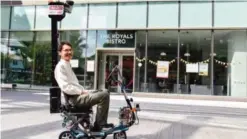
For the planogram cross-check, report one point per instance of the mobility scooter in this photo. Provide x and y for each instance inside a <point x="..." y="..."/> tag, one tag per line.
<point x="79" y="121"/>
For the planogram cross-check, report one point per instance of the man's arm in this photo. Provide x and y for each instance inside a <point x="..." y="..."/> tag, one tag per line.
<point x="62" y="80"/>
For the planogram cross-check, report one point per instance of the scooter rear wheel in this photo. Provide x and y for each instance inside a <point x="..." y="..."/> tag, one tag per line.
<point x="66" y="135"/>
<point x="120" y="135"/>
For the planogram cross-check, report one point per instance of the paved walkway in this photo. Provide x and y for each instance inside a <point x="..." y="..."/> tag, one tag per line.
<point x="32" y="120"/>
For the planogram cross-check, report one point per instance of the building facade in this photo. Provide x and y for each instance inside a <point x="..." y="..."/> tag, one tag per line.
<point x="180" y="47"/>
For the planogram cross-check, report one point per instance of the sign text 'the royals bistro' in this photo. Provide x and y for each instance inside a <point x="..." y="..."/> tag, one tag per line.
<point x="119" y="39"/>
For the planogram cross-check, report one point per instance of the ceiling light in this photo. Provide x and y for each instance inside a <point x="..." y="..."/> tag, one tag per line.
<point x="187" y="54"/>
<point x="163" y="54"/>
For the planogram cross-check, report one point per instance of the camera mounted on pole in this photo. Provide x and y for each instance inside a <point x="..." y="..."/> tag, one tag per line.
<point x="57" y="9"/>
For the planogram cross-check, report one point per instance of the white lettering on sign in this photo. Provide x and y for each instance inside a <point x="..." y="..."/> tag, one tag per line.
<point x="56" y="9"/>
<point x="117" y="38"/>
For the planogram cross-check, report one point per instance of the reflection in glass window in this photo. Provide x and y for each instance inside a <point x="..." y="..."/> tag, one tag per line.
<point x="91" y="44"/>
<point x="137" y="18"/>
<point x="90" y="53"/>
<point x="77" y="19"/>
<point x="4" y="55"/>
<point x="42" y="19"/>
<point x="42" y="56"/>
<point x="20" y="58"/>
<point x="196" y="14"/>
<point x="22" y="17"/>
<point x="230" y="14"/>
<point x="230" y="63"/>
<point x="195" y="62"/>
<point x="102" y="16"/>
<point x="168" y="18"/>
<point x="5" y="15"/>
<point x="78" y="42"/>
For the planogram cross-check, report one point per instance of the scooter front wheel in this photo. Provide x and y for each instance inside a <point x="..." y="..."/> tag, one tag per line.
<point x="66" y="135"/>
<point x="120" y="135"/>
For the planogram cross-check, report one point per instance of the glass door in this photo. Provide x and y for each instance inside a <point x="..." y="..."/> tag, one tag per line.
<point x="119" y="68"/>
<point x="127" y="72"/>
<point x="112" y="72"/>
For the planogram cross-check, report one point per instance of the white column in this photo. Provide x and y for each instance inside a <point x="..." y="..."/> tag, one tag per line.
<point x="237" y="56"/>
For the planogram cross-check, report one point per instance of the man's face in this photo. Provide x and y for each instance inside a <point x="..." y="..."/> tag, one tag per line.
<point x="66" y="53"/>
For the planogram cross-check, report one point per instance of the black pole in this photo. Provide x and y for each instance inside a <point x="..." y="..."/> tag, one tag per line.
<point x="55" y="92"/>
<point x="54" y="45"/>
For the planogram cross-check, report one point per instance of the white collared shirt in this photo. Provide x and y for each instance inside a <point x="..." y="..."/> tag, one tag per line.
<point x="66" y="78"/>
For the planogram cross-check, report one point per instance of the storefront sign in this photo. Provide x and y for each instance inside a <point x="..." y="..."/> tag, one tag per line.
<point x="118" y="39"/>
<point x="192" y="68"/>
<point x="90" y="66"/>
<point x="162" y="69"/>
<point x="203" y="69"/>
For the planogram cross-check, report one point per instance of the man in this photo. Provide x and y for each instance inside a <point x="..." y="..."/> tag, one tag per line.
<point x="78" y="96"/>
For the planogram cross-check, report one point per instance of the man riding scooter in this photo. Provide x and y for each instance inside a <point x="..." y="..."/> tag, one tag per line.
<point x="76" y="93"/>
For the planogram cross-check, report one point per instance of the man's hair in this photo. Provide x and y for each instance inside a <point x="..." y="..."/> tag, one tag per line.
<point x="60" y="47"/>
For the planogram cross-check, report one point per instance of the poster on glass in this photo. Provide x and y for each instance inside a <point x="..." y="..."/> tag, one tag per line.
<point x="162" y="69"/>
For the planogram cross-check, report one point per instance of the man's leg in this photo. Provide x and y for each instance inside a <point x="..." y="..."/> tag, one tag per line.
<point x="102" y="100"/>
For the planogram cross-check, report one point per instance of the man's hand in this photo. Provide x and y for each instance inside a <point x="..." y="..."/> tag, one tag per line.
<point x="84" y="92"/>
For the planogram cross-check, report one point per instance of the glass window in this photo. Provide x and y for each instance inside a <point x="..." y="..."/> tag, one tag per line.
<point x="115" y="39"/>
<point x="162" y="65"/>
<point x="139" y="85"/>
<point x="137" y="18"/>
<point x="42" y="19"/>
<point x="78" y="41"/>
<point x="195" y="62"/>
<point x="5" y="15"/>
<point x="102" y="16"/>
<point x="196" y="14"/>
<point x="168" y="18"/>
<point x="90" y="63"/>
<point x="22" y="17"/>
<point x="4" y="55"/>
<point x="43" y="56"/>
<point x="21" y="58"/>
<point x="230" y="14"/>
<point x="77" y="19"/>
<point x="230" y="47"/>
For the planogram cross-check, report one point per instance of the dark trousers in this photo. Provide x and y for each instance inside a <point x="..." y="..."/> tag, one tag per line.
<point x="101" y="99"/>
